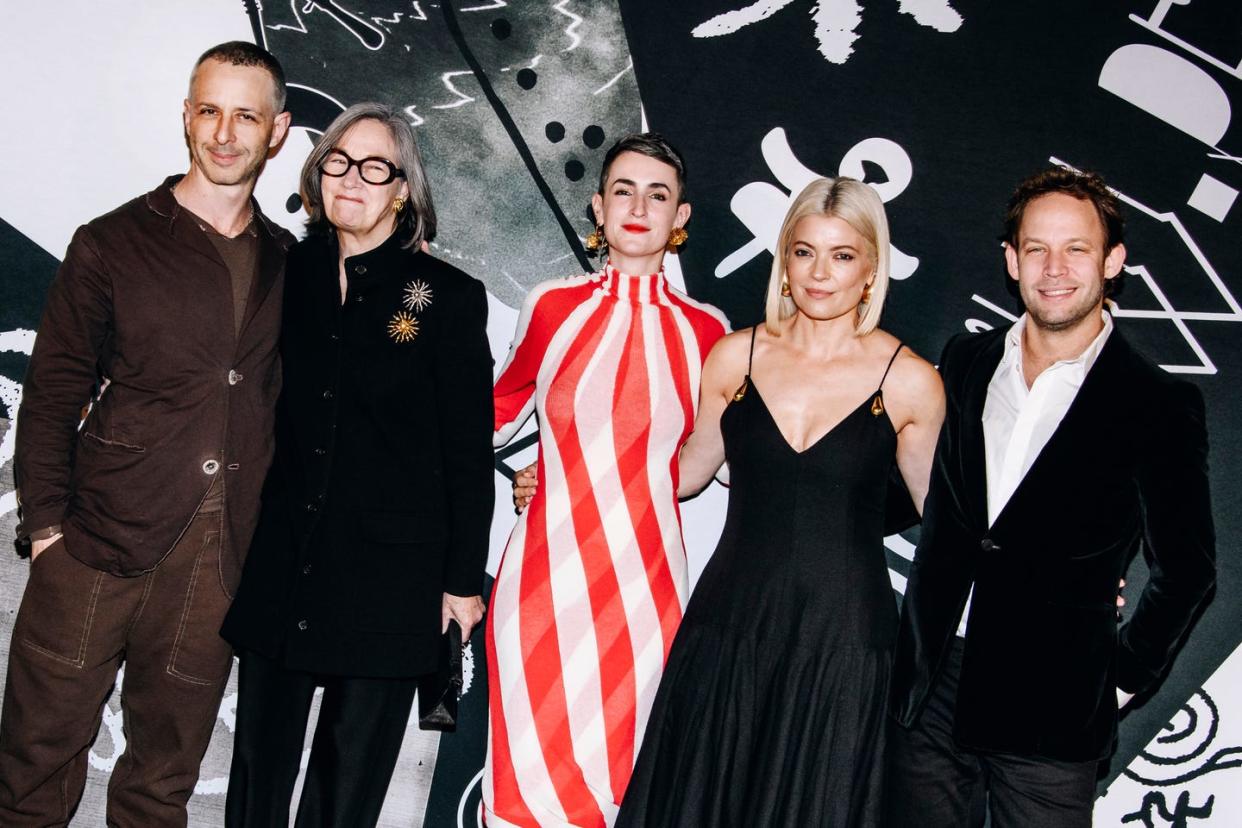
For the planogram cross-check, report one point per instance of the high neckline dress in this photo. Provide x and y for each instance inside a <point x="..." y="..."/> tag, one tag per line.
<point x="592" y="584"/>
<point x="772" y="708"/>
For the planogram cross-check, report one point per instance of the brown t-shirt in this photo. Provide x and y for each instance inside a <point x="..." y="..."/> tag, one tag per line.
<point x="240" y="254"/>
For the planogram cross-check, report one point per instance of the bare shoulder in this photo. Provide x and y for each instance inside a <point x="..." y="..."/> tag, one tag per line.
<point x="913" y="387"/>
<point x="732" y="347"/>
<point x="915" y="375"/>
<point x="726" y="364"/>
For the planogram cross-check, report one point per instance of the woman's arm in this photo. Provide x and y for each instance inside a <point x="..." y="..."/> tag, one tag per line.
<point x="724" y="371"/>
<point x="916" y="388"/>
<point x="514" y="389"/>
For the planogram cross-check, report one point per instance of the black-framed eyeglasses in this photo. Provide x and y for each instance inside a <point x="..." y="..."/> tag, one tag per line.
<point x="372" y="170"/>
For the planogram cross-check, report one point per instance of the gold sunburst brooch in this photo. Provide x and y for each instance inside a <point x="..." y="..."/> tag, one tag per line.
<point x="417" y="296"/>
<point x="402" y="327"/>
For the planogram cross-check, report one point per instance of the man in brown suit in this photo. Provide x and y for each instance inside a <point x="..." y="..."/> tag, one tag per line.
<point x="138" y="520"/>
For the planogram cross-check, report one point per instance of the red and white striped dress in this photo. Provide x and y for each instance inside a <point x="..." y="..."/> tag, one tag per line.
<point x="592" y="585"/>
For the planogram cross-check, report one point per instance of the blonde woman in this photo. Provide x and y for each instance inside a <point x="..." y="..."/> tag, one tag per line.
<point x="771" y="711"/>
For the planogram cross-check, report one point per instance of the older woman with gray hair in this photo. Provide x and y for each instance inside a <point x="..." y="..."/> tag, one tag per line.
<point x="374" y="528"/>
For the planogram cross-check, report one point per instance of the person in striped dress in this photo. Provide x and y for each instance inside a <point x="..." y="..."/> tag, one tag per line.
<point x="593" y="582"/>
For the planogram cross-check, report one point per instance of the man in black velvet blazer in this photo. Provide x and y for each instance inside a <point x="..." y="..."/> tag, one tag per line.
<point x="1062" y="450"/>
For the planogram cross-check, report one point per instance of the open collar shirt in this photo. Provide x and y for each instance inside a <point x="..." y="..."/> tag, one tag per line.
<point x="1019" y="421"/>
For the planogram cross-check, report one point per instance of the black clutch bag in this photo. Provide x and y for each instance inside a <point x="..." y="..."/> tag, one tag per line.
<point x="439" y="692"/>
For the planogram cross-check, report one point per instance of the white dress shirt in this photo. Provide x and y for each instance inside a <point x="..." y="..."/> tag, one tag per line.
<point x="1018" y="421"/>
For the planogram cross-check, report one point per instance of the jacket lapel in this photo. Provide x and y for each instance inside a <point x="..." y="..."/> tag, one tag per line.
<point x="974" y="466"/>
<point x="271" y="262"/>
<point x="1080" y="428"/>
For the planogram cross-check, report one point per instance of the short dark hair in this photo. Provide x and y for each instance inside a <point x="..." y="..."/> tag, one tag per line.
<point x="417" y="222"/>
<point x="653" y="145"/>
<point x="242" y="53"/>
<point x="1082" y="185"/>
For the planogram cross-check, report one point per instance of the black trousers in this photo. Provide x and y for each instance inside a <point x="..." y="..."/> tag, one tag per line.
<point x="933" y="783"/>
<point x="357" y="740"/>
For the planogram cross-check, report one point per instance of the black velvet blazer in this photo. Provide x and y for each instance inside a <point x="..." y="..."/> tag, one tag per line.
<point x="1127" y="465"/>
<point x="380" y="498"/>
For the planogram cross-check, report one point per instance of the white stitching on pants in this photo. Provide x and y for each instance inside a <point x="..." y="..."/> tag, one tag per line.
<point x="208" y="538"/>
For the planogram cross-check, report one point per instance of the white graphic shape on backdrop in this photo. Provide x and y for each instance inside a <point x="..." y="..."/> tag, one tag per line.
<point x="1155" y="24"/>
<point x="836" y="28"/>
<point x="1192" y="769"/>
<point x="1169" y="87"/>
<point x="20" y="341"/>
<point x="364" y="32"/>
<point x="836" y="21"/>
<point x="761" y="207"/>
<point x="571" y="31"/>
<point x="1212" y="197"/>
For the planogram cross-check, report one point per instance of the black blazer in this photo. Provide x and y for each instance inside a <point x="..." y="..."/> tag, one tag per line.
<point x="380" y="498"/>
<point x="1128" y="464"/>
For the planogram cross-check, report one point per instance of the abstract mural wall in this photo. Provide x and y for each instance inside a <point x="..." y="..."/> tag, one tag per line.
<point x="941" y="105"/>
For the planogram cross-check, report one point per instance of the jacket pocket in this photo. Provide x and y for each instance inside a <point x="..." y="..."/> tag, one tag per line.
<point x="199" y="655"/>
<point x="58" y="606"/>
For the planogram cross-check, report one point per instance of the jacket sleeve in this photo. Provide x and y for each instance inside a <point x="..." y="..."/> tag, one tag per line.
<point x="941" y="572"/>
<point x="1179" y="541"/>
<point x="515" y="384"/>
<point x="63" y="371"/>
<point x="463" y="374"/>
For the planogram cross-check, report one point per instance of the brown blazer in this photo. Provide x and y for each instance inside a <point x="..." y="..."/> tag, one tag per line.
<point x="143" y="299"/>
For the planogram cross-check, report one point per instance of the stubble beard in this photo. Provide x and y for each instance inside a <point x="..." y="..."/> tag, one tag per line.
<point x="1076" y="317"/>
<point x="228" y="176"/>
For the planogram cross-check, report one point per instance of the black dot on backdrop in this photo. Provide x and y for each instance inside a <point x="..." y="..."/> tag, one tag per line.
<point x="555" y="131"/>
<point x="501" y="28"/>
<point x="293" y="203"/>
<point x="574" y="170"/>
<point x="526" y="78"/>
<point x="593" y="136"/>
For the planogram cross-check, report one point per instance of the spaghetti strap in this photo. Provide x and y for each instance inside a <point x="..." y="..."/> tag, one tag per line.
<point x="877" y="404"/>
<point x="750" y="361"/>
<point x="891" y="360"/>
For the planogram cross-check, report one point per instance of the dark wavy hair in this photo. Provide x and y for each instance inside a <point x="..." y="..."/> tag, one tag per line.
<point x="1084" y="186"/>
<point x="417" y="222"/>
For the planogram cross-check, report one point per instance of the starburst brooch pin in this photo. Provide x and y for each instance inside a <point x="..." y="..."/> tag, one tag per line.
<point x="403" y="327"/>
<point x="417" y="296"/>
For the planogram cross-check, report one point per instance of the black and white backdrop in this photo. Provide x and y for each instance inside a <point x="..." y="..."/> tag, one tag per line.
<point x="941" y="105"/>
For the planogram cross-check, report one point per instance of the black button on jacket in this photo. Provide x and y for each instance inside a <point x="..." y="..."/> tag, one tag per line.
<point x="381" y="495"/>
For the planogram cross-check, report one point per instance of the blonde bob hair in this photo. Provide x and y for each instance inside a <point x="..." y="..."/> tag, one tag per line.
<point x="859" y="206"/>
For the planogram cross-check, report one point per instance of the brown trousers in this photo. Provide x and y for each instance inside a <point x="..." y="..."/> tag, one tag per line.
<point x="75" y="627"/>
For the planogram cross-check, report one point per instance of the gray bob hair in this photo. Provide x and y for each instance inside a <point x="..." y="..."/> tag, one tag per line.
<point x="417" y="222"/>
<point x="859" y="206"/>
